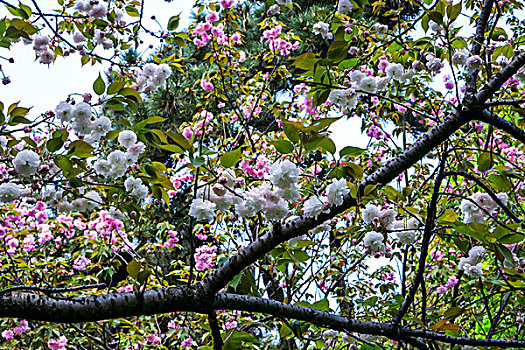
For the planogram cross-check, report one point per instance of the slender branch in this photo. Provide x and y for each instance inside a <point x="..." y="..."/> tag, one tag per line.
<point x="504" y="103"/>
<point x="427" y="235"/>
<point x="8" y="4"/>
<point x="215" y="331"/>
<point x="47" y="290"/>
<point x="486" y="189"/>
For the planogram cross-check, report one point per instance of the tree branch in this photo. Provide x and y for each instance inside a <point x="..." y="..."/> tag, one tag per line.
<point x="504" y="103"/>
<point x="427" y="235"/>
<point x="499" y="79"/>
<point x="481" y="24"/>
<point x="502" y="124"/>
<point x="298" y="226"/>
<point x="215" y="331"/>
<point x="190" y="298"/>
<point x="486" y="189"/>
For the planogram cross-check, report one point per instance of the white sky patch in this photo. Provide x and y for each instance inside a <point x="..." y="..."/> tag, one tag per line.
<point x="43" y="87"/>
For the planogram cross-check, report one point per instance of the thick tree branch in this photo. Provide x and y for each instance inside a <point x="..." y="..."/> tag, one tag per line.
<point x="502" y="124"/>
<point x="189" y="298"/>
<point x="298" y="226"/>
<point x="499" y="79"/>
<point x="481" y="25"/>
<point x="101" y="307"/>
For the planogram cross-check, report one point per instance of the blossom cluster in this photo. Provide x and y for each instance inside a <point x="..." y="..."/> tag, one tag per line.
<point x="82" y="121"/>
<point x="364" y="81"/>
<point x="471" y="264"/>
<point x="227" y="192"/>
<point x="477" y="207"/>
<point x="278" y="41"/>
<point x="335" y="193"/>
<point x="65" y="202"/>
<point x="384" y="217"/>
<point x="205" y="32"/>
<point x="23" y="327"/>
<point x="57" y="344"/>
<point x="204" y="257"/>
<point x="150" y="77"/>
<point x="41" y="47"/>
<point x="118" y="162"/>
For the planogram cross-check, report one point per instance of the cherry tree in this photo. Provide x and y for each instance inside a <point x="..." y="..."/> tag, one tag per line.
<point x="238" y="223"/>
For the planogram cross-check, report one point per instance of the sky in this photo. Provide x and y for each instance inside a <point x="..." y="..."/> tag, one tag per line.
<point x="43" y="86"/>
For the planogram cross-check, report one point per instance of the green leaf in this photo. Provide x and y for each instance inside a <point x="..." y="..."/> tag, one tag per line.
<point x="81" y="149"/>
<point x="124" y="122"/>
<point x="235" y="281"/>
<point x="132" y="11"/>
<point x="507" y="254"/>
<point x="66" y="165"/>
<point x="351" y="151"/>
<point x="180" y="140"/>
<point x="448" y="216"/>
<point x="173" y="23"/>
<point x="113" y="134"/>
<point x="453" y="11"/>
<point x="306" y="61"/>
<point x="54" y="144"/>
<point x="19" y="120"/>
<point x="354" y="170"/>
<point x="115" y="87"/>
<point x="237" y="339"/>
<point x="321" y="124"/>
<point x="291" y="131"/>
<point x="130" y="93"/>
<point x="19" y="112"/>
<point x="133" y="268"/>
<point x="172" y="148"/>
<point x="143" y="275"/>
<point x="327" y="144"/>
<point x="156" y="119"/>
<point x="391" y="193"/>
<point x="230" y="158"/>
<point x="115" y="105"/>
<point x="371" y="301"/>
<point x="485" y="161"/>
<point x="152" y="120"/>
<point x="75" y="182"/>
<point x="99" y="86"/>
<point x="497" y="32"/>
<point x="321" y="305"/>
<point x="473" y="230"/>
<point x="511" y="238"/>
<point x="283" y="146"/>
<point x="337" y="51"/>
<point x="436" y="17"/>
<point x="453" y="312"/>
<point x="26" y="9"/>
<point x="499" y="182"/>
<point x="29" y="141"/>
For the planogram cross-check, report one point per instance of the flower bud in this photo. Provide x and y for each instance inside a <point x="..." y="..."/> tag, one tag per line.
<point x="418" y="66"/>
<point x="219" y="189"/>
